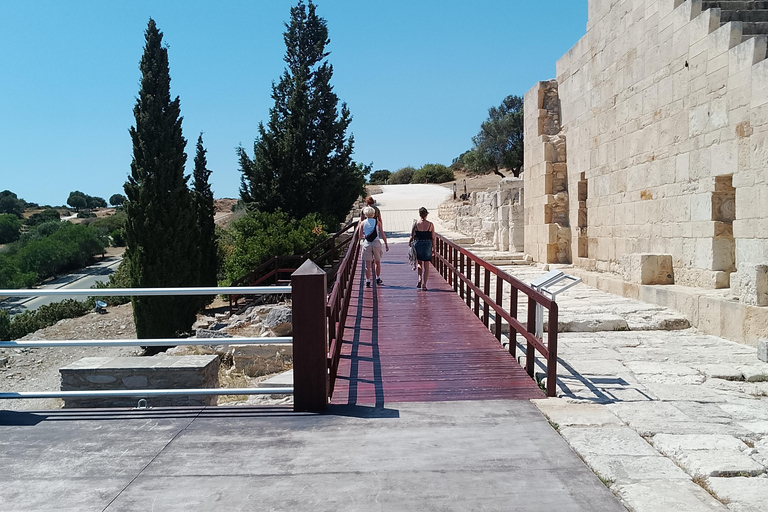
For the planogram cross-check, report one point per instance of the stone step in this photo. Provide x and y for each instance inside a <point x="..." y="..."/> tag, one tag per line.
<point x="734" y="5"/>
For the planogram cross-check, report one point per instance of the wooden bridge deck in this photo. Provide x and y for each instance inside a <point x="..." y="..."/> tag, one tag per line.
<point x="402" y="344"/>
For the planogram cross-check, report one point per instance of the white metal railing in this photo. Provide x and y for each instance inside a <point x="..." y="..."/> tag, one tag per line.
<point x="162" y="342"/>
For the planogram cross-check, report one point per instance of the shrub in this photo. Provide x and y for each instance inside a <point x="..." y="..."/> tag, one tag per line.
<point x="5" y="325"/>
<point x="45" y="316"/>
<point x="9" y="228"/>
<point x="47" y="215"/>
<point x="433" y="173"/>
<point x="258" y="236"/>
<point x="379" y="177"/>
<point x="402" y="176"/>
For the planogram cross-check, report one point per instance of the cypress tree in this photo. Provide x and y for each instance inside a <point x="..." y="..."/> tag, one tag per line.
<point x="205" y="225"/>
<point x="161" y="229"/>
<point x="302" y="160"/>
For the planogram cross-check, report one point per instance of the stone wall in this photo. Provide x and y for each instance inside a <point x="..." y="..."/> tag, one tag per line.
<point x="492" y="218"/>
<point x="665" y="110"/>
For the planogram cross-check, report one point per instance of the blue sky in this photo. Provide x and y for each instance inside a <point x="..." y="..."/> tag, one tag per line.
<point x="418" y="77"/>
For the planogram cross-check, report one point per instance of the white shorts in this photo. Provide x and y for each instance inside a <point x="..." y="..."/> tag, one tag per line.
<point x="371" y="251"/>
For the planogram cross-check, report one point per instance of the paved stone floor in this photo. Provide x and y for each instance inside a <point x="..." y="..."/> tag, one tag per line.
<point x="668" y="419"/>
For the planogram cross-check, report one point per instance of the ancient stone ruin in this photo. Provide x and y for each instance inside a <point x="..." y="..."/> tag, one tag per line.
<point x="647" y="156"/>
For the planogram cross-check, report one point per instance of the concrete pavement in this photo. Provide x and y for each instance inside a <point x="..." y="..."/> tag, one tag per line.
<point x="440" y="456"/>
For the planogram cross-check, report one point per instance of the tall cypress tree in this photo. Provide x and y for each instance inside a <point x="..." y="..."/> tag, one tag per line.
<point x="205" y="212"/>
<point x="161" y="230"/>
<point x="302" y="159"/>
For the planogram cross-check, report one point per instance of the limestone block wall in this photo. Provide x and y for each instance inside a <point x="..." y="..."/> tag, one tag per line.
<point x="665" y="110"/>
<point x="547" y="221"/>
<point x="493" y="218"/>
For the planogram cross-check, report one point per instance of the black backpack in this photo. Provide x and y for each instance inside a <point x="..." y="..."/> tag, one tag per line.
<point x="373" y="234"/>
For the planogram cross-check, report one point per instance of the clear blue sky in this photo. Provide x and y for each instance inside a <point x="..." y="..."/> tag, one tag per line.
<point x="418" y="77"/>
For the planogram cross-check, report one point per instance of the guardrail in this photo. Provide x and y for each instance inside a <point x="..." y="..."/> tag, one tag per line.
<point x="143" y="393"/>
<point x="338" y="306"/>
<point x="277" y="270"/>
<point x="462" y="270"/>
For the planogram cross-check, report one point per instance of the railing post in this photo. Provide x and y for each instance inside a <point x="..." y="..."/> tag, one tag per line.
<point x="310" y="352"/>
<point x="530" y="351"/>
<point x="552" y="351"/>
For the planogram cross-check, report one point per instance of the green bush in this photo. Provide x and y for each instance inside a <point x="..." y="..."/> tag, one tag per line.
<point x="45" y="316"/>
<point x="47" y="215"/>
<point x="9" y="228"/>
<point x="432" y="173"/>
<point x="258" y="236"/>
<point x="401" y="176"/>
<point x="5" y="325"/>
<point x="379" y="177"/>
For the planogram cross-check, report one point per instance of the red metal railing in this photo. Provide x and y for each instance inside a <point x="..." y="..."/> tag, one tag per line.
<point x="462" y="269"/>
<point x="338" y="305"/>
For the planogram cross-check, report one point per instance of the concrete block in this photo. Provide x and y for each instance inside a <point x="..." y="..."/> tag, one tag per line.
<point x="156" y="372"/>
<point x="753" y="284"/>
<point x="644" y="268"/>
<point x="762" y="349"/>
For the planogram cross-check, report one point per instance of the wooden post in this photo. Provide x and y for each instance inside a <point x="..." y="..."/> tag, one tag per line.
<point x="310" y="351"/>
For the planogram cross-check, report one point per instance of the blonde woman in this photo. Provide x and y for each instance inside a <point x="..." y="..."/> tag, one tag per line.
<point x="371" y="237"/>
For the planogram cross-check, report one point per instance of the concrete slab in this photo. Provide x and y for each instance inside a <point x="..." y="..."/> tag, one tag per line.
<point x="498" y="455"/>
<point x="657" y="495"/>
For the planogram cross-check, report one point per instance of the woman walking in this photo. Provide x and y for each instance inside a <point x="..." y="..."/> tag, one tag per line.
<point x="423" y="240"/>
<point x="371" y="237"/>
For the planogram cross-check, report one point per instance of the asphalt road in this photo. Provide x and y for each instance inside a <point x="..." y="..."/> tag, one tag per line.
<point x="82" y="278"/>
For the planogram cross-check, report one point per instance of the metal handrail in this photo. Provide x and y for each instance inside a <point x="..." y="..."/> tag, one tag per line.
<point x="107" y="292"/>
<point x="455" y="264"/>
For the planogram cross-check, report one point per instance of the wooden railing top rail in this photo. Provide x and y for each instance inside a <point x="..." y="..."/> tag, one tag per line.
<point x="512" y="280"/>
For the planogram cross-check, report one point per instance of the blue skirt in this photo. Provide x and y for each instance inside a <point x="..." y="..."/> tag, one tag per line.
<point x="423" y="250"/>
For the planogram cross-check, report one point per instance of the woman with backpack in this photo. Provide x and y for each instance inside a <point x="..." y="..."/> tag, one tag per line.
<point x="372" y="235"/>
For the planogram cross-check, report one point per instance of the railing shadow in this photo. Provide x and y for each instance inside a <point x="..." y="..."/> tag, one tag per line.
<point x="355" y="358"/>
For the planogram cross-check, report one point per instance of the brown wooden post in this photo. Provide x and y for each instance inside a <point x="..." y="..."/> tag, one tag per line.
<point x="499" y="301"/>
<point x="530" y="352"/>
<point x="310" y="368"/>
<point x="513" y="314"/>
<point x="487" y="291"/>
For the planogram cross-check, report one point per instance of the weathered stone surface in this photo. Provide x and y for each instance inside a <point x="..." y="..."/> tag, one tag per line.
<point x="658" y="495"/>
<point x="257" y="360"/>
<point x="612" y="441"/>
<point x="625" y="469"/>
<point x="208" y="333"/>
<point x="762" y="349"/>
<point x="751" y="494"/>
<point x="156" y="372"/>
<point x="708" y="455"/>
<point x="647" y="268"/>
<point x="278" y="320"/>
<point x="563" y="414"/>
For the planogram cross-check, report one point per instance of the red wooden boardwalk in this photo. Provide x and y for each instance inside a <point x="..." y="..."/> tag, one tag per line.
<point x="402" y="344"/>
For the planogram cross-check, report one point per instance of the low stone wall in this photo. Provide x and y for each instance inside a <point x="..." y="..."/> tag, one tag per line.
<point x="492" y="218"/>
<point x="156" y="372"/>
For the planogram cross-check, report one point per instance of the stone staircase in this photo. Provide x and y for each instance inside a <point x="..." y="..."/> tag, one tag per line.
<point x="753" y="14"/>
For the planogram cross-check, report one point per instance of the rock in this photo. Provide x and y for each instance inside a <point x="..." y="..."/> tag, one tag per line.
<point x="257" y="360"/>
<point x="762" y="349"/>
<point x="279" y="321"/>
<point x="208" y="333"/>
<point x="204" y="322"/>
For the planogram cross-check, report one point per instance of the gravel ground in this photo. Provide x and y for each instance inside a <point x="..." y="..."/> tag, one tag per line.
<point x="37" y="369"/>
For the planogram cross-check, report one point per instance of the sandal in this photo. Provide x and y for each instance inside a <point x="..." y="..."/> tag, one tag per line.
<point x="418" y="285"/>
<point x="424" y="288"/>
